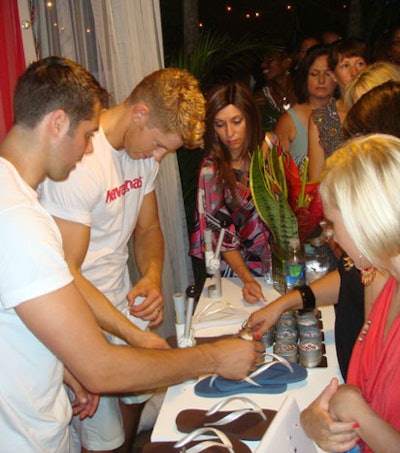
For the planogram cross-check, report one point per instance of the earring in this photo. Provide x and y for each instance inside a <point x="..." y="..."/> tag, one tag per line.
<point x="348" y="263"/>
<point x="367" y="275"/>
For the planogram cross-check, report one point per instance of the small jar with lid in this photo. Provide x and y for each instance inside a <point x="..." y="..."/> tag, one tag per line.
<point x="286" y="334"/>
<point x="310" y="352"/>
<point x="286" y="350"/>
<point x="311" y="333"/>
<point x="307" y="319"/>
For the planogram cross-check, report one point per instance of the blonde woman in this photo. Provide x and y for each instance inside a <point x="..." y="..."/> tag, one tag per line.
<point x="360" y="198"/>
<point x="370" y="77"/>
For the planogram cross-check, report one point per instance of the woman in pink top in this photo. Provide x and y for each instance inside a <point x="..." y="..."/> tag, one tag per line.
<point x="359" y="191"/>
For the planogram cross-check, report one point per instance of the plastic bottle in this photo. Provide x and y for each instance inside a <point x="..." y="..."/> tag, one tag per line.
<point x="318" y="256"/>
<point x="295" y="265"/>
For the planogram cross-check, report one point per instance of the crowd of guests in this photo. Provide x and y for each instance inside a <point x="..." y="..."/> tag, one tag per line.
<point x="78" y="181"/>
<point x="315" y="103"/>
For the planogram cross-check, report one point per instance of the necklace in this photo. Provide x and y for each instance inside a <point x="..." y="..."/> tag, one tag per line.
<point x="281" y="97"/>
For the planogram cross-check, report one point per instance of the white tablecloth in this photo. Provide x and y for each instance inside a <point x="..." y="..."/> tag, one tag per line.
<point x="182" y="396"/>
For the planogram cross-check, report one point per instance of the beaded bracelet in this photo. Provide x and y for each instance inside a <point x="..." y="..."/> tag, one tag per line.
<point x="307" y="296"/>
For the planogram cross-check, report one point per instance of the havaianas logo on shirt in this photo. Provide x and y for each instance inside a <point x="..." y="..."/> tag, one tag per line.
<point x="120" y="191"/>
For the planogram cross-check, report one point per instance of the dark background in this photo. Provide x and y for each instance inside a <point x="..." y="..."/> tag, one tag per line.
<point x="277" y="22"/>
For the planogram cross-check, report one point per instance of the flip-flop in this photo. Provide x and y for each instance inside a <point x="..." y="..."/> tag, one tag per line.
<point x="278" y="371"/>
<point x="262" y="380"/>
<point x="248" y="423"/>
<point x="205" y="387"/>
<point x="219" y="443"/>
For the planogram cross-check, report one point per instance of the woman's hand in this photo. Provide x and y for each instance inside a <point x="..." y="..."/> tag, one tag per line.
<point x="322" y="428"/>
<point x="252" y="292"/>
<point x="263" y="320"/>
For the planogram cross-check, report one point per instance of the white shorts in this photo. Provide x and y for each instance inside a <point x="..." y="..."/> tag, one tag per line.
<point x="103" y="431"/>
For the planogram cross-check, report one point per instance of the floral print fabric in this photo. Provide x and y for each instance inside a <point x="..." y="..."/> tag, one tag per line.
<point x="246" y="232"/>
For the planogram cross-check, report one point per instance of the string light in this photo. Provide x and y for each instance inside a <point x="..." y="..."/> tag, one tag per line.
<point x="229" y="8"/>
<point x="49" y="4"/>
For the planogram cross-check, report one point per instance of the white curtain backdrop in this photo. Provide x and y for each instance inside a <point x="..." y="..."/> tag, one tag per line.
<point x="120" y="41"/>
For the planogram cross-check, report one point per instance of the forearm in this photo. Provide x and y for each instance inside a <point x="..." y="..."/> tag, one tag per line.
<point x="349" y="405"/>
<point x="235" y="261"/>
<point x="251" y="290"/>
<point x="325" y="289"/>
<point x="107" y="316"/>
<point x="376" y="433"/>
<point x="63" y="322"/>
<point x="149" y="253"/>
<point x="140" y="370"/>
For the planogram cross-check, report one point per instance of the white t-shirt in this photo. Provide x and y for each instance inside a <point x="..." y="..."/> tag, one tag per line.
<point x="34" y="408"/>
<point x="104" y="192"/>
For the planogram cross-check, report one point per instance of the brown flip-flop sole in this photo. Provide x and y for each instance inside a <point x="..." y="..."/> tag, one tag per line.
<point x="249" y="426"/>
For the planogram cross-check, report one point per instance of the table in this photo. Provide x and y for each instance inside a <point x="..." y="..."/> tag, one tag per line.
<point x="182" y="396"/>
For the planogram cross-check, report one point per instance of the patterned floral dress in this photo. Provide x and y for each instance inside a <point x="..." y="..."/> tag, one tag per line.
<point x="329" y="126"/>
<point x="247" y="233"/>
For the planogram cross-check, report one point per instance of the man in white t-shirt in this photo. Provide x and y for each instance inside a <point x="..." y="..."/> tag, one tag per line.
<point x="111" y="195"/>
<point x="44" y="320"/>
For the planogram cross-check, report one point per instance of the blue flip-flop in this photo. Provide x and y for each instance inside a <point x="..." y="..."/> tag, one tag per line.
<point x="271" y="377"/>
<point x="205" y="387"/>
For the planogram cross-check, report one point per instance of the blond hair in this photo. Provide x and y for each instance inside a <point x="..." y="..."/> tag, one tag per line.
<point x="370" y="77"/>
<point x="361" y="180"/>
<point x="176" y="104"/>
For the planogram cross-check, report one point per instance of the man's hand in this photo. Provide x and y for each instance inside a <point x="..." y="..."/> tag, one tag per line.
<point x="84" y="403"/>
<point x="151" y="309"/>
<point x="236" y="358"/>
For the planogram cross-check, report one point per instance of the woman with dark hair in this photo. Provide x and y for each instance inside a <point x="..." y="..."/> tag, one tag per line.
<point x="314" y="88"/>
<point x="233" y="131"/>
<point x="278" y="93"/>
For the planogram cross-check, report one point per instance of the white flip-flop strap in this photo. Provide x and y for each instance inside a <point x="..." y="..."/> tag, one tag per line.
<point x="225" y="442"/>
<point x="228" y="418"/>
<point x="261" y="369"/>
<point x="250" y="404"/>
<point x="280" y="359"/>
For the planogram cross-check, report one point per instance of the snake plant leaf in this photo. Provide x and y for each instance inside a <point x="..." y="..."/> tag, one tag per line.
<point x="269" y="191"/>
